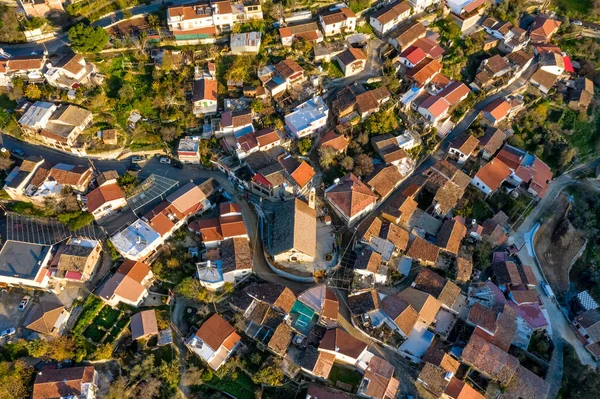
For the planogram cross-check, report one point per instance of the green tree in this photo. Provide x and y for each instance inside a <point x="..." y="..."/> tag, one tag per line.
<point x="117" y="389"/>
<point x="327" y="157"/>
<point x="154" y="21"/>
<point x="126" y="93"/>
<point x="270" y="375"/>
<point x="304" y="145"/>
<point x="128" y="182"/>
<point x="33" y="92"/>
<point x="142" y="370"/>
<point x="170" y="373"/>
<point x="14" y="379"/>
<point x="257" y="105"/>
<point x="381" y="122"/>
<point x="88" y="39"/>
<point x="191" y="288"/>
<point x="347" y="163"/>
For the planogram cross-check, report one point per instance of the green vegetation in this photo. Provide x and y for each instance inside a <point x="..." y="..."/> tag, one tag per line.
<point x="91" y="307"/>
<point x="128" y="182"/>
<point x="508" y="10"/>
<point x="579" y="381"/>
<point x="76" y="220"/>
<point x="95" y="9"/>
<point x="304" y="145"/>
<point x="588" y="10"/>
<point x="332" y="69"/>
<point x="87" y="39"/>
<point x="384" y="121"/>
<point x="359" y="5"/>
<point x="237" y="384"/>
<point x="15" y="378"/>
<point x="271" y="375"/>
<point x="345" y="375"/>
<point x="33" y="23"/>
<point x="10" y="31"/>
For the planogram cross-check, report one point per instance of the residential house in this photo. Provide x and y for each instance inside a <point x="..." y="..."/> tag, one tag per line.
<point x="204" y="97"/>
<point x="307" y="118"/>
<point x="215" y="341"/>
<point x="463" y="147"/>
<point x="423" y="251"/>
<point x="491" y="141"/>
<point x="406" y="36"/>
<point x="235" y="123"/>
<point x="389" y="150"/>
<point x="344" y="347"/>
<point x="281" y="339"/>
<point x="508" y="274"/>
<point x="425" y="304"/>
<point x="290" y="72"/>
<point x="440" y="288"/>
<point x="245" y="43"/>
<point x="70" y="382"/>
<point x="450" y="236"/>
<point x="65" y="126"/>
<point x="337" y="142"/>
<point x="300" y="172"/>
<point x="200" y="22"/>
<point x="424" y="71"/>
<point x="369" y="264"/>
<point x="318" y="391"/>
<point x="308" y="31"/>
<point x="588" y="329"/>
<point x="401" y="211"/>
<point x="27" y="67"/>
<point x="495" y="112"/>
<point x="421" y="5"/>
<point x="25" y="264"/>
<point x="351" y="198"/>
<point x="48" y="317"/>
<point x="37" y="116"/>
<point x="352" y="61"/>
<point x="378" y="381"/>
<point x="433" y="109"/>
<point x="498" y="329"/>
<point x="229" y="224"/>
<point x="582" y="94"/>
<point x="543" y="28"/>
<point x="70" y="72"/>
<point x="105" y="200"/>
<point x="519" y="61"/>
<point x="49" y="181"/>
<point x="145" y="236"/>
<point x="143" y="325"/>
<point x="489" y="360"/>
<point x="399" y="315"/>
<point x="543" y="80"/>
<point x="511" y="38"/>
<point x="430" y="47"/>
<point x="232" y="264"/>
<point x="552" y="62"/>
<point x="337" y="19"/>
<point x="447" y="184"/>
<point x="291" y="232"/>
<point x="466" y="13"/>
<point x="490" y="72"/>
<point x="187" y="150"/>
<point x="18" y="179"/>
<point x="384" y="180"/>
<point x="493" y="231"/>
<point x="129" y="284"/>
<point x="75" y="260"/>
<point x="526" y="169"/>
<point x="370" y="101"/>
<point x="388" y="17"/>
<point x="412" y="56"/>
<point x="489" y="178"/>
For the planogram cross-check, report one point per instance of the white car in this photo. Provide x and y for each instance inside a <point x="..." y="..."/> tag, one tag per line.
<point x="576" y="22"/>
<point x="7" y="333"/>
<point x="165" y="160"/>
<point x="137" y="159"/>
<point x="24" y="302"/>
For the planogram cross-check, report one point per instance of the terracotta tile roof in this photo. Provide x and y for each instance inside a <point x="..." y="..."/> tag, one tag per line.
<point x="458" y="389"/>
<point x="369" y="101"/>
<point x="407" y="36"/>
<point x="384" y="180"/>
<point x="483" y="317"/>
<point x="506" y="273"/>
<point x="422" y="250"/>
<point x="143" y="324"/>
<point x="216" y="332"/>
<point x="526" y="296"/>
<point x="351" y="196"/>
<point x="434" y="379"/>
<point x="454" y="92"/>
<point x="368" y="260"/>
<point x="379" y="375"/>
<point x="403" y="315"/>
<point x="363" y="302"/>
<point x="429" y="47"/>
<point x="465" y="143"/>
<point x="543" y="28"/>
<point x="339" y="341"/>
<point x="396" y="235"/>
<point x="335" y="15"/>
<point x="492" y="140"/>
<point x="426" y="305"/>
<point x="424" y="71"/>
<point x="351" y="55"/>
<point x="333" y="140"/>
<point x="472" y="6"/>
<point x="324" y="364"/>
<point x="450" y="235"/>
<point x="590" y="320"/>
<point x="519" y="57"/>
<point x="493" y="173"/>
<point x="44" y="315"/>
<point x="413" y="54"/>
<point x="235" y="254"/>
<point x="390" y="12"/>
<point x="489" y="359"/>
<point x="498" y="108"/>
<point x="58" y="383"/>
<point x="436" y="105"/>
<point x="373" y="229"/>
<point x="266" y="137"/>
<point x="25" y="63"/>
<point x="505" y="330"/>
<point x="437" y="286"/>
<point x="495" y="64"/>
<point x="330" y="305"/>
<point x="79" y="175"/>
<point x="437" y="356"/>
<point x="525" y="384"/>
<point x="287" y="68"/>
<point x="464" y="268"/>
<point x="303" y="174"/>
<point x="205" y="89"/>
<point x="281" y="339"/>
<point x="103" y="194"/>
<point x="387" y="147"/>
<point x="527" y="275"/>
<point x="74" y="64"/>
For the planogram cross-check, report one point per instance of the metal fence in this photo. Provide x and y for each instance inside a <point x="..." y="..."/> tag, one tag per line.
<point x="152" y="188"/>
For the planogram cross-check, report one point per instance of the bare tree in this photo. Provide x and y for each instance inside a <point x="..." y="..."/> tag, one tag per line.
<point x="277" y="11"/>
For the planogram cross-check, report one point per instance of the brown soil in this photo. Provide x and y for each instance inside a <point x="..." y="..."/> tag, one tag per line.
<point x="558" y="245"/>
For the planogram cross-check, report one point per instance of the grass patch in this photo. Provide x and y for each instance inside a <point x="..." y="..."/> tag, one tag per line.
<point x="117" y="330"/>
<point x="241" y="388"/>
<point x="333" y="70"/>
<point x="7" y="103"/>
<point x="574" y="6"/>
<point x="91" y="307"/>
<point x="107" y="317"/>
<point x="94" y="333"/>
<point x="347" y="376"/>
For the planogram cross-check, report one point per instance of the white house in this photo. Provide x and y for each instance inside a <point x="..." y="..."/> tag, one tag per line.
<point x="245" y="43"/>
<point x="351" y="198"/>
<point x="352" y="61"/>
<point x="73" y="382"/>
<point x="235" y="262"/>
<point x="187" y="150"/>
<point x="199" y="21"/>
<point x="204" y="97"/>
<point x="463" y="147"/>
<point x="105" y="200"/>
<point x="25" y="264"/>
<point x="337" y="19"/>
<point x="18" y="179"/>
<point x="129" y="284"/>
<point x="307" y="118"/>
<point x="387" y="18"/>
<point x="434" y="109"/>
<point x="70" y="72"/>
<point x="489" y="178"/>
<point x="215" y="341"/>
<point x="420" y="5"/>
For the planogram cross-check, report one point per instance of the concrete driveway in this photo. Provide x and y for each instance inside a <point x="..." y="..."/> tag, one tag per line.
<point x="10" y="315"/>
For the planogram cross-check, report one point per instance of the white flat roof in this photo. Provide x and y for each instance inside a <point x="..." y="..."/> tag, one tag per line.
<point x="126" y="241"/>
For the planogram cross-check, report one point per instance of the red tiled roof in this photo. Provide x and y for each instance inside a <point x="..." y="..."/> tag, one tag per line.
<point x="103" y="194"/>
<point x="216" y="332"/>
<point x="493" y="173"/>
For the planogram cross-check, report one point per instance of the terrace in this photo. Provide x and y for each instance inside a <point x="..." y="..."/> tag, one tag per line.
<point x="303" y="318"/>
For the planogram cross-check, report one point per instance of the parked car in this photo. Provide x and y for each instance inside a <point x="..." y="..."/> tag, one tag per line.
<point x="177" y="164"/>
<point x="577" y="22"/>
<point x="7" y="333"/>
<point x="18" y="152"/>
<point x="165" y="160"/>
<point x="138" y="159"/>
<point x="24" y="302"/>
<point x="547" y="290"/>
<point x="134" y="167"/>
